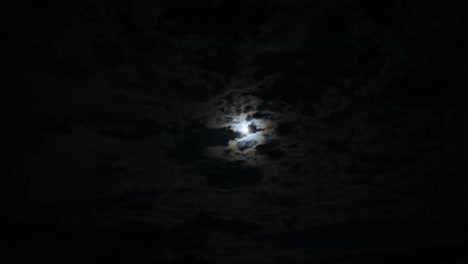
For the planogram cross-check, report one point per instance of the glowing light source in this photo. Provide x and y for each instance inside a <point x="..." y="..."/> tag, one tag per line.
<point x="245" y="129"/>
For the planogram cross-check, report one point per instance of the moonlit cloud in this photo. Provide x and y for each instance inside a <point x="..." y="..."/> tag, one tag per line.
<point x="197" y="121"/>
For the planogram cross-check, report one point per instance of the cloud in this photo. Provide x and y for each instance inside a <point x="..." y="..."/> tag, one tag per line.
<point x="134" y="111"/>
<point x="271" y="150"/>
<point x="229" y="174"/>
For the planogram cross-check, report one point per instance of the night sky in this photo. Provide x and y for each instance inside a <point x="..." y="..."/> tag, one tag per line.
<point x="247" y="131"/>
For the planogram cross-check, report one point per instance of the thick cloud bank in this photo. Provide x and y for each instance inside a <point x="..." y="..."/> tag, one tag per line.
<point x="124" y="131"/>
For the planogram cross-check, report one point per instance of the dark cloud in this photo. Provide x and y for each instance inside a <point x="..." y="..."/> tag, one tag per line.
<point x="285" y="128"/>
<point x="271" y="150"/>
<point x="125" y="130"/>
<point x="282" y="200"/>
<point x="207" y="221"/>
<point x="351" y="236"/>
<point x="231" y="175"/>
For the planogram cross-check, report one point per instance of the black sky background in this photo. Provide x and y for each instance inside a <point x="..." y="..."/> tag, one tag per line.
<point x="121" y="138"/>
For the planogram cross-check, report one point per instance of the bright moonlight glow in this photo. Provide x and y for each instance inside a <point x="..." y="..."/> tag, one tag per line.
<point x="245" y="129"/>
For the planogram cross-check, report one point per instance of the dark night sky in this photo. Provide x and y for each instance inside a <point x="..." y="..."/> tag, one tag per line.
<point x="123" y="138"/>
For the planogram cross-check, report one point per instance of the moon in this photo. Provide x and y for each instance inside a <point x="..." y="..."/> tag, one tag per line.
<point x="245" y="129"/>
